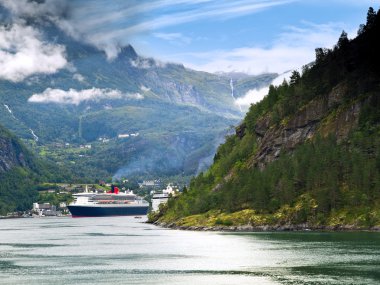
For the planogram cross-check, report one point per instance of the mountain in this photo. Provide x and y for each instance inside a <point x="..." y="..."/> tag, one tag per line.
<point x="306" y="156"/>
<point x="177" y="116"/>
<point x="19" y="172"/>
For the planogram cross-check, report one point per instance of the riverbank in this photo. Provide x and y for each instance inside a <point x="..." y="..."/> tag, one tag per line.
<point x="267" y="228"/>
<point x="28" y="215"/>
<point x="11" y="217"/>
<point x="250" y="221"/>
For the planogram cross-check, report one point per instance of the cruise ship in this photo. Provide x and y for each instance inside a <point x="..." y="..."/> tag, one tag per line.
<point x="113" y="203"/>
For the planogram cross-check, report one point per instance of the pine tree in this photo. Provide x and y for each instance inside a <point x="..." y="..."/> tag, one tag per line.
<point x="295" y="77"/>
<point x="343" y="40"/>
<point x="371" y="18"/>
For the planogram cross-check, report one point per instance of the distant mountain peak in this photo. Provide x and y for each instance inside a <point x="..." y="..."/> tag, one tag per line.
<point x="128" y="52"/>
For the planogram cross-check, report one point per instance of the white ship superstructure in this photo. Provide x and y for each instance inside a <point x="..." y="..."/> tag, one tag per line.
<point x="89" y="204"/>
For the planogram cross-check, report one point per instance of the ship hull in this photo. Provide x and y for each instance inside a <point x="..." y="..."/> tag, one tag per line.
<point x="104" y="211"/>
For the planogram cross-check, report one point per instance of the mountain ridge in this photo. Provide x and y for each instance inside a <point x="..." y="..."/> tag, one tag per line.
<point x="122" y="91"/>
<point x="306" y="156"/>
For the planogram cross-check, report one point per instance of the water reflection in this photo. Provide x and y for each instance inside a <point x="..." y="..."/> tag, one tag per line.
<point x="124" y="250"/>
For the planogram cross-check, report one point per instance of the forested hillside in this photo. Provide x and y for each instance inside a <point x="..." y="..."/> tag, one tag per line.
<point x="308" y="153"/>
<point x="20" y="173"/>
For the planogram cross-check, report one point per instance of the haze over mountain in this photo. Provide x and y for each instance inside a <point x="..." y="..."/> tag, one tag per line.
<point x="141" y="116"/>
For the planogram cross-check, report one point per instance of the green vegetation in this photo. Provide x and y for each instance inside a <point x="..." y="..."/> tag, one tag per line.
<point x="180" y="111"/>
<point x="20" y="173"/>
<point x="54" y="198"/>
<point x="15" y="191"/>
<point x="332" y="178"/>
<point x="318" y="182"/>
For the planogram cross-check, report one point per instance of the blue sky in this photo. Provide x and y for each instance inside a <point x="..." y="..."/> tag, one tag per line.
<point x="252" y="36"/>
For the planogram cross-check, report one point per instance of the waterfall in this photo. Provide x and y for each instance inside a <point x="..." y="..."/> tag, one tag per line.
<point x="232" y="94"/>
<point x="34" y="135"/>
<point x="9" y="110"/>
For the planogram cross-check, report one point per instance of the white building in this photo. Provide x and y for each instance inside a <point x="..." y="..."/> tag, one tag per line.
<point x="122" y="136"/>
<point x="161" y="198"/>
<point x="44" y="209"/>
<point x="148" y="183"/>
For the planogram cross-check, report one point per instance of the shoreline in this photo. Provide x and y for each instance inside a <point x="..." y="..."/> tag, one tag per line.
<point x="269" y="228"/>
<point x="31" y="217"/>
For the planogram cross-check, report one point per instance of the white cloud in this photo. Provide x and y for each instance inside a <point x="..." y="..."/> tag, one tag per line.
<point x="144" y="88"/>
<point x="176" y="38"/>
<point x="256" y="95"/>
<point x="141" y="63"/>
<point x="251" y="97"/>
<point x="109" y="26"/>
<point x="146" y="63"/>
<point x="292" y="49"/>
<point x="209" y="10"/>
<point x="136" y="96"/>
<point x="71" y="67"/>
<point x="253" y="60"/>
<point x="24" y="53"/>
<point x="76" y="97"/>
<point x="36" y="9"/>
<point x="79" y="77"/>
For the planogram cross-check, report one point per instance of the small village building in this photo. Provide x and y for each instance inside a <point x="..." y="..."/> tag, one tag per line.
<point x="45" y="209"/>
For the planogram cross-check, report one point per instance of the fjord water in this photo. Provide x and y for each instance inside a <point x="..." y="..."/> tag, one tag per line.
<point x="124" y="250"/>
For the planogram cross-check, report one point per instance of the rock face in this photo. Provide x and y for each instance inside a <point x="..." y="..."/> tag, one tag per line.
<point x="20" y="171"/>
<point x="325" y="115"/>
<point x="183" y="94"/>
<point x="11" y="153"/>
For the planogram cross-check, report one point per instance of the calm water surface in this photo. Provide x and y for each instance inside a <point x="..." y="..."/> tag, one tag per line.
<point x="124" y="250"/>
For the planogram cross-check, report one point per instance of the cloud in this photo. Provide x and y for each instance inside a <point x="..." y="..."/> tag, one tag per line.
<point x="294" y="47"/>
<point x="180" y="12"/>
<point x="252" y="60"/>
<point x="75" y="97"/>
<point x="109" y="26"/>
<point x="256" y="95"/>
<point x="23" y="50"/>
<point x="146" y="63"/>
<point x="36" y="9"/>
<point x="24" y="53"/>
<point x="176" y="38"/>
<point x="136" y="96"/>
<point x="251" y="97"/>
<point x="79" y="77"/>
<point x="144" y="88"/>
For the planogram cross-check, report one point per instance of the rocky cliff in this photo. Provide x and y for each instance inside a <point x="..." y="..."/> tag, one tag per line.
<point x="12" y="153"/>
<point x="20" y="171"/>
<point x="327" y="115"/>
